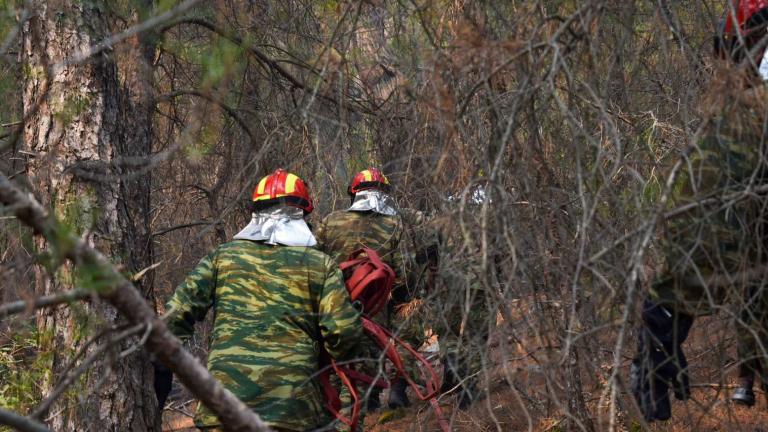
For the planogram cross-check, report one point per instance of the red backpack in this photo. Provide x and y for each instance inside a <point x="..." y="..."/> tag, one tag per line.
<point x="369" y="281"/>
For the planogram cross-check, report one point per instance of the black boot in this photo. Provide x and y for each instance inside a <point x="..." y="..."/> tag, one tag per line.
<point x="373" y="403"/>
<point x="398" y="398"/>
<point x="467" y="396"/>
<point x="663" y="405"/>
<point x="450" y="371"/>
<point x="743" y="395"/>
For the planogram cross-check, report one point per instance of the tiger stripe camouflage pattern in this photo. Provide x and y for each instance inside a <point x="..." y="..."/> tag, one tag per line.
<point x="273" y="307"/>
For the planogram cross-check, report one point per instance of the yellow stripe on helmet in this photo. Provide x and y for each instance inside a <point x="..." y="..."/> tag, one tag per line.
<point x="368" y="175"/>
<point x="261" y="186"/>
<point x="290" y="183"/>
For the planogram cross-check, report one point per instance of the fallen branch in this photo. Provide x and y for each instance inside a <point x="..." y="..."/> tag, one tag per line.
<point x="120" y="292"/>
<point x="21" y="423"/>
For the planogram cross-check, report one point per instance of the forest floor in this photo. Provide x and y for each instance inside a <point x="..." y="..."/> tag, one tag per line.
<point x="527" y="405"/>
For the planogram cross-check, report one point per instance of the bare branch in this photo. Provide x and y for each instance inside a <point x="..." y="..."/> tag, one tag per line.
<point x="176" y="227"/>
<point x="20" y="422"/>
<point x="111" y="41"/>
<point x="207" y="96"/>
<point x="266" y="61"/>
<point x="41" y="302"/>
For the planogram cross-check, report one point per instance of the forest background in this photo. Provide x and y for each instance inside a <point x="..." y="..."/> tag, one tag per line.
<point x="143" y="126"/>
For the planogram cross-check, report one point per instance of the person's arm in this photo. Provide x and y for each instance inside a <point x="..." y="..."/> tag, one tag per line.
<point x="189" y="304"/>
<point x="320" y="233"/>
<point x="192" y="299"/>
<point x="340" y="323"/>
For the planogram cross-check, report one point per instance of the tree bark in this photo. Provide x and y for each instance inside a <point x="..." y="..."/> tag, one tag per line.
<point x="92" y="113"/>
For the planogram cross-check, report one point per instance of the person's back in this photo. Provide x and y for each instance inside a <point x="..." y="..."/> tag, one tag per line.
<point x="275" y="304"/>
<point x="268" y="320"/>
<point x="343" y="232"/>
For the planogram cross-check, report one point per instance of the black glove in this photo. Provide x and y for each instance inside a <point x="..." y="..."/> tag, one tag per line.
<point x="163" y="384"/>
<point x="660" y="363"/>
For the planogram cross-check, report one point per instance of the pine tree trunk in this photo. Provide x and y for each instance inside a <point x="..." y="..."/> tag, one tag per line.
<point x="83" y="120"/>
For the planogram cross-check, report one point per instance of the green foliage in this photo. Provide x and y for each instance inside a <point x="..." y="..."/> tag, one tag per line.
<point x="221" y="61"/>
<point x="164" y="6"/>
<point x="94" y="278"/>
<point x="204" y="144"/>
<point x="23" y="366"/>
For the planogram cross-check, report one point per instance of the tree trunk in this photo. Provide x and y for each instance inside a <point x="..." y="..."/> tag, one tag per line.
<point x="87" y="126"/>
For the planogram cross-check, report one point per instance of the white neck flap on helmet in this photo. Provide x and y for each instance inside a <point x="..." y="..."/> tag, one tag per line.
<point x="281" y="225"/>
<point x="375" y="201"/>
<point x="762" y="69"/>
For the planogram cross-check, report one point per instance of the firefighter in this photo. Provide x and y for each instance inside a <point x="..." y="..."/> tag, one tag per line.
<point x="715" y="242"/>
<point x="462" y="311"/>
<point x="275" y="299"/>
<point x="373" y="220"/>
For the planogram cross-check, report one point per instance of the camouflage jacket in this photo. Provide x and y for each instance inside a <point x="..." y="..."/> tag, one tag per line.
<point x="343" y="232"/>
<point x="274" y="306"/>
<point x="722" y="232"/>
<point x="404" y="242"/>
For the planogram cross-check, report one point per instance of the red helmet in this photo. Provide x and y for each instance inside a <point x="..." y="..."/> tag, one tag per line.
<point x="282" y="187"/>
<point x="740" y="30"/>
<point x="371" y="178"/>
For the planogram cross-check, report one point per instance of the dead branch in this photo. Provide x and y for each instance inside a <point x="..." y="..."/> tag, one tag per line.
<point x="265" y="60"/>
<point x="20" y="422"/>
<point x="176" y="227"/>
<point x="209" y="97"/>
<point x="41" y="302"/>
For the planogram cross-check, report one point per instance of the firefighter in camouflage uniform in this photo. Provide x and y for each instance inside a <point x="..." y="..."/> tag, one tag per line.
<point x="714" y="241"/>
<point x="374" y="221"/>
<point x="276" y="300"/>
<point x="459" y="310"/>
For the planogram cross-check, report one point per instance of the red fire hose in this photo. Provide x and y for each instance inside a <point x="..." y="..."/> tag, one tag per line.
<point x="369" y="281"/>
